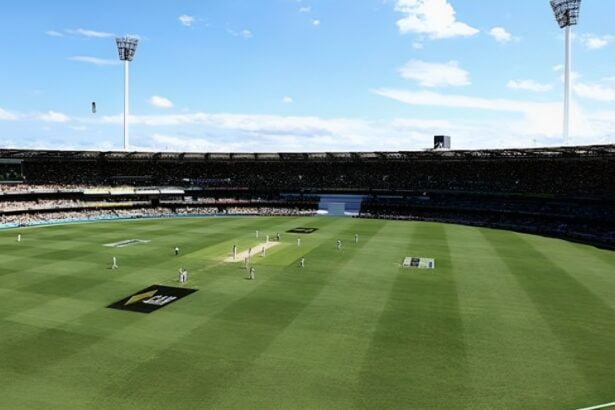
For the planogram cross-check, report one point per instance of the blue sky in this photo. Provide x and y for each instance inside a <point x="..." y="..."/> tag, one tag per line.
<point x="302" y="75"/>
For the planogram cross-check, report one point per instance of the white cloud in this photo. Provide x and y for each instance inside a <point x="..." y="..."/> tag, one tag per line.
<point x="265" y="133"/>
<point x="94" y="60"/>
<point x="574" y="76"/>
<point x="54" y="33"/>
<point x="435" y="74"/>
<point x="52" y="116"/>
<point x="604" y="90"/>
<point x="269" y="133"/>
<point x="245" y="33"/>
<point x="316" y="22"/>
<point x="500" y="35"/>
<point x="8" y="116"/>
<point x="138" y="37"/>
<point x="434" y="18"/>
<point x="305" y="9"/>
<point x="49" y="116"/>
<point x="538" y="119"/>
<point x="430" y="98"/>
<point x="187" y="20"/>
<point x="529" y="85"/>
<point x="180" y="143"/>
<point x="89" y="33"/>
<point x="288" y="100"/>
<point x="417" y="45"/>
<point x="594" y="42"/>
<point x="160" y="102"/>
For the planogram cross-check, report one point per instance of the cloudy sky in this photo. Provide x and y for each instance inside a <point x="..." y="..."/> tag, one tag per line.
<point x="302" y="75"/>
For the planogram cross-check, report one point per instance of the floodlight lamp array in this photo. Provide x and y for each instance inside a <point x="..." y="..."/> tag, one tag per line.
<point x="126" y="47"/>
<point x="566" y="12"/>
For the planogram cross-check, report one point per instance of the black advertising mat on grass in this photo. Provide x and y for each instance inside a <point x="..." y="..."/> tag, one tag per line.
<point x="151" y="299"/>
<point x="302" y="230"/>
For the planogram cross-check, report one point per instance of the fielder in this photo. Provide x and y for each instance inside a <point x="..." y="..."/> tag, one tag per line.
<point x="356" y="238"/>
<point x="278" y="236"/>
<point x="338" y="245"/>
<point x="298" y="242"/>
<point x="263" y="252"/>
<point x="176" y="251"/>
<point x="114" y="264"/>
<point x="19" y="237"/>
<point x="234" y="251"/>
<point x="256" y="234"/>
<point x="302" y="262"/>
<point x="252" y="273"/>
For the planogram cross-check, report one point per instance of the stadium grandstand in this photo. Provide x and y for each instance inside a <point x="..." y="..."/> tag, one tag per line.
<point x="566" y="192"/>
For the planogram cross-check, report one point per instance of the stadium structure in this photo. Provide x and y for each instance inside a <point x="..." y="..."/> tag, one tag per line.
<point x="566" y="192"/>
<point x="308" y="280"/>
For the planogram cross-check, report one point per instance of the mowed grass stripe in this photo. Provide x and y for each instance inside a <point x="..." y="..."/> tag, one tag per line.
<point x="418" y="347"/>
<point x="593" y="267"/>
<point x="352" y="330"/>
<point x="505" y="334"/>
<point x="73" y="313"/>
<point x="582" y="322"/>
<point x="318" y="353"/>
<point x="228" y="343"/>
<point x="64" y="366"/>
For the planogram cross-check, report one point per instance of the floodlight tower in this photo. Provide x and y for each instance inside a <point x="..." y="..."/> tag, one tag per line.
<point x="567" y="15"/>
<point x="126" y="47"/>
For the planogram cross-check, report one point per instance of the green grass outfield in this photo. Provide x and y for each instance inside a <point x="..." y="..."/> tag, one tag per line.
<point x="506" y="320"/>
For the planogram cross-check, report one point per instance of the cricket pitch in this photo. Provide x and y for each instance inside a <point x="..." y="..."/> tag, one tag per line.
<point x="256" y="250"/>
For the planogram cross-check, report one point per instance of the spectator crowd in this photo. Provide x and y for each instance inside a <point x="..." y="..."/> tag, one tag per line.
<point x="34" y="218"/>
<point x="571" y="196"/>
<point x="584" y="175"/>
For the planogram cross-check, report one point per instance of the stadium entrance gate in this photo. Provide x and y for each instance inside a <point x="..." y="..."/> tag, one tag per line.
<point x="340" y="205"/>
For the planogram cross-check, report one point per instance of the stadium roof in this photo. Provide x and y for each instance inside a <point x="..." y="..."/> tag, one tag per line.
<point x="552" y="152"/>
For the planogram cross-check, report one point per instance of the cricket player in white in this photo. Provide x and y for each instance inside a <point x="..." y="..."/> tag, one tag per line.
<point x="185" y="276"/>
<point x="181" y="276"/>
<point x="176" y="251"/>
<point x="339" y="245"/>
<point x="252" y="273"/>
<point x="256" y="234"/>
<point x="234" y="251"/>
<point x="302" y="262"/>
<point x="267" y="239"/>
<point x="356" y="238"/>
<point x="298" y="242"/>
<point x="19" y="237"/>
<point x="263" y="252"/>
<point x="114" y="264"/>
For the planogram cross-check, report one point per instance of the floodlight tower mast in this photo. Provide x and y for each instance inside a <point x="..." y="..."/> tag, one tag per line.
<point x="567" y="15"/>
<point x="126" y="47"/>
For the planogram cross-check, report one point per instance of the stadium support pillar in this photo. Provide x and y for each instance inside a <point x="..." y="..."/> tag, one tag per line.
<point x="567" y="85"/>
